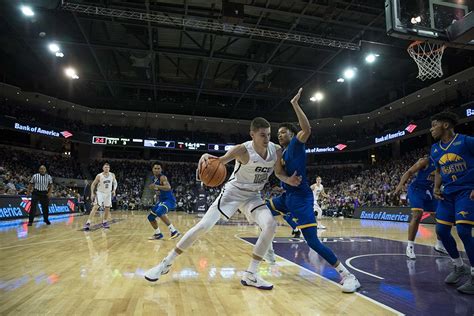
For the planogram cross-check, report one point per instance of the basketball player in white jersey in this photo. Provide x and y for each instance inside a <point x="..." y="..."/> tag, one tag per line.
<point x="106" y="185"/>
<point x="318" y="189"/>
<point x="254" y="163"/>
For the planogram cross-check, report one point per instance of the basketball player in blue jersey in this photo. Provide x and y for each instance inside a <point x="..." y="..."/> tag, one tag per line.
<point x="166" y="202"/>
<point x="299" y="200"/>
<point x="420" y="197"/>
<point x="453" y="156"/>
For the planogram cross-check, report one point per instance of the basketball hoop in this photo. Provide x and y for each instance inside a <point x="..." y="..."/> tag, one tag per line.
<point x="428" y="58"/>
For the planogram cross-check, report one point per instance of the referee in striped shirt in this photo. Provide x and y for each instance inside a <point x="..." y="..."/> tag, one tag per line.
<point x="42" y="185"/>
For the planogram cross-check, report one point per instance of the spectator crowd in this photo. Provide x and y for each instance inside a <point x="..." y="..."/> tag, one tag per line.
<point x="347" y="187"/>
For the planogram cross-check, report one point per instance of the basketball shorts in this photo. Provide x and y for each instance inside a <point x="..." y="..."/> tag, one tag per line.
<point x="232" y="199"/>
<point x="421" y="200"/>
<point x="161" y="208"/>
<point x="299" y="207"/>
<point x="456" y="208"/>
<point x="103" y="199"/>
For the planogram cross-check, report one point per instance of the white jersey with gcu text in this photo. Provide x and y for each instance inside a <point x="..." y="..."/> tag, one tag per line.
<point x="104" y="189"/>
<point x="242" y="191"/>
<point x="105" y="182"/>
<point x="255" y="173"/>
<point x="317" y="191"/>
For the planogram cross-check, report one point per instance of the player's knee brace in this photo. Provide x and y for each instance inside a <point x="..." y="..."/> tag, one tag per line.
<point x="151" y="217"/>
<point x="465" y="232"/>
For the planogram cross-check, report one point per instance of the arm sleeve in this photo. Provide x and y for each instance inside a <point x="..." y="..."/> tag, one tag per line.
<point x="50" y="180"/>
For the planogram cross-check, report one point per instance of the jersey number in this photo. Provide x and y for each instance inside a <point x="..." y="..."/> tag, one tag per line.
<point x="454" y="178"/>
<point x="106" y="185"/>
<point x="260" y="178"/>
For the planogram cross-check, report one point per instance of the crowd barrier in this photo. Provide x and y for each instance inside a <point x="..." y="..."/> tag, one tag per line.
<point x="16" y="206"/>
<point x="390" y="213"/>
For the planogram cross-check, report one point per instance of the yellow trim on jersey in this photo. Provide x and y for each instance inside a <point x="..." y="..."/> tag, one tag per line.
<point x="307" y="225"/>
<point x="417" y="209"/>
<point x="444" y="222"/>
<point x="273" y="205"/>
<point x="153" y="213"/>
<point x="281" y="213"/>
<point x="465" y="222"/>
<point x="449" y="145"/>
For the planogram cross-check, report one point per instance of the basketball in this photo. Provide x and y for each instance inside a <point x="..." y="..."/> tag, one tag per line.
<point x="214" y="173"/>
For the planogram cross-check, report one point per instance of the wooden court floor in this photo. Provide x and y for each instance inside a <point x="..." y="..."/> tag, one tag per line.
<point x="61" y="270"/>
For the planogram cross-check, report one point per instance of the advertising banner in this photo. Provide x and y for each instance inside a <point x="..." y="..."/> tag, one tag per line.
<point x="14" y="206"/>
<point x="390" y="213"/>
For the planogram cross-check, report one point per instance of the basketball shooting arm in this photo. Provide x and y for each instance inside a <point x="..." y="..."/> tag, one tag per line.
<point x="422" y="163"/>
<point x="238" y="152"/>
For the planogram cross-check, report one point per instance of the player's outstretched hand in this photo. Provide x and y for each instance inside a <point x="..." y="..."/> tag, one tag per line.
<point x="297" y="97"/>
<point x="294" y="180"/>
<point x="438" y="195"/>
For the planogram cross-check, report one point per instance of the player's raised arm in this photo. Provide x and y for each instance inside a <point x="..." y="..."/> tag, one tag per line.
<point x="305" y="132"/>
<point x="422" y="163"/>
<point x="293" y="180"/>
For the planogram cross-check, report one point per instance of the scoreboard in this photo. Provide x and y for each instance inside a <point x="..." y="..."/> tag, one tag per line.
<point x="157" y="143"/>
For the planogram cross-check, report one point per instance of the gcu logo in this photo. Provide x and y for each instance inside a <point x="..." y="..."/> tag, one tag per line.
<point x="262" y="169"/>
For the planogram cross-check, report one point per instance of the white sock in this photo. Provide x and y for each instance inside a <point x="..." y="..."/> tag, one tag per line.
<point x="171" y="256"/>
<point x="253" y="266"/>
<point x="157" y="231"/>
<point x="410" y="243"/>
<point x="171" y="228"/>
<point x="458" y="262"/>
<point x="88" y="221"/>
<point x="439" y="244"/>
<point x="342" y="270"/>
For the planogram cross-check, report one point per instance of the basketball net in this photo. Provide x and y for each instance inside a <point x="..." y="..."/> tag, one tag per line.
<point x="428" y="58"/>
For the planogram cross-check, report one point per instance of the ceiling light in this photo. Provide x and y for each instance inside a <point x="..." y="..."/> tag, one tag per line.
<point x="71" y="73"/>
<point x="415" y="20"/>
<point x="53" y="47"/>
<point x="349" y="73"/>
<point x="317" y="97"/>
<point x="26" y="10"/>
<point x="370" y="58"/>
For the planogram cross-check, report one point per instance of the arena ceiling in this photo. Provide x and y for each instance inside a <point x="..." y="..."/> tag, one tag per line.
<point x="132" y="64"/>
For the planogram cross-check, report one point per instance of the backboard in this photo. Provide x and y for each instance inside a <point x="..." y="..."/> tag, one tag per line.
<point x="447" y="21"/>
